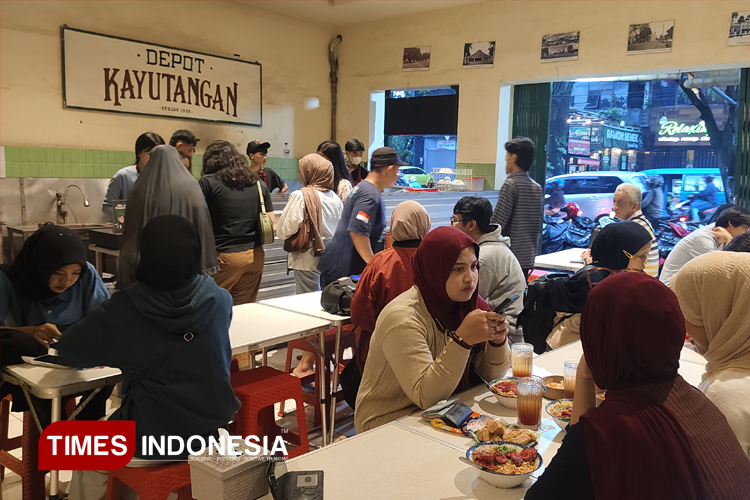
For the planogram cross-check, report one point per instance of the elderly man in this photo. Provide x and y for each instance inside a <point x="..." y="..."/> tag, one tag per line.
<point x="627" y="206"/>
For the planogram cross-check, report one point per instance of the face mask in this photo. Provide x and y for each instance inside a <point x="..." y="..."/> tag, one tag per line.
<point x="356" y="160"/>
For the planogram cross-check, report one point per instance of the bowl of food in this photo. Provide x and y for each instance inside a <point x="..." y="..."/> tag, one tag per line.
<point x="506" y="391"/>
<point x="504" y="464"/>
<point x="561" y="410"/>
<point x="554" y="387"/>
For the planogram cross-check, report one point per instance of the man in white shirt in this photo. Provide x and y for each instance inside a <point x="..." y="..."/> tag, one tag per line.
<point x="731" y="223"/>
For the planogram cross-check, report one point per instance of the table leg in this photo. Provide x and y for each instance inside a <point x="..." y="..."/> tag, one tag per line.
<point x="265" y="356"/>
<point x="98" y="259"/>
<point x="53" y="474"/>
<point x="335" y="377"/>
<point x="322" y="379"/>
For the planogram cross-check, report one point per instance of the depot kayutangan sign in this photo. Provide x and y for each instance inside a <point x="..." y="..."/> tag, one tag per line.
<point x="106" y="73"/>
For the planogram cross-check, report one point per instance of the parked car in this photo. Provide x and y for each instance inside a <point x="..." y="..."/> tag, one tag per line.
<point x="681" y="182"/>
<point x="593" y="191"/>
<point x="409" y="171"/>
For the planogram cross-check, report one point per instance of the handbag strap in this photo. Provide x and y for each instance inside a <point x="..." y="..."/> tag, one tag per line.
<point x="262" y="201"/>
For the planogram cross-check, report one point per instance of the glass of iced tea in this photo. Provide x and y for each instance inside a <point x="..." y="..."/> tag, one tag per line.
<point x="530" y="391"/>
<point x="521" y="357"/>
<point x="569" y="378"/>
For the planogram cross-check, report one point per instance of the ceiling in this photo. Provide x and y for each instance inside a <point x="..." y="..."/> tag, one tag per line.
<point x="340" y="12"/>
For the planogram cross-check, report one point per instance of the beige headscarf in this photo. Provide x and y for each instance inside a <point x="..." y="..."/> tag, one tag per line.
<point x="409" y="221"/>
<point x="714" y="292"/>
<point x="316" y="174"/>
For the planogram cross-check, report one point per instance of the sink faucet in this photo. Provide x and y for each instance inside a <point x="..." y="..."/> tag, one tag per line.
<point x="62" y="215"/>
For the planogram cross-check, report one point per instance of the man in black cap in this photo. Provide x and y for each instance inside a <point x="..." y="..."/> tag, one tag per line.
<point x="360" y="230"/>
<point x="258" y="153"/>
<point x="184" y="142"/>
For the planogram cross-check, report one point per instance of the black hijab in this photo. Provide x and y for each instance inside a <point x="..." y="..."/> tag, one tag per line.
<point x="46" y="251"/>
<point x="170" y="252"/>
<point x="611" y="249"/>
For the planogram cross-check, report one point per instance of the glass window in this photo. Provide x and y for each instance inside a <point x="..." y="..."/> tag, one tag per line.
<point x="584" y="185"/>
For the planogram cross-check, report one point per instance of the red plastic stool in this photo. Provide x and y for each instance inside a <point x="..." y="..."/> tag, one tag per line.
<point x="151" y="483"/>
<point x="259" y="390"/>
<point x="536" y="273"/>
<point x="32" y="479"/>
<point x="348" y="339"/>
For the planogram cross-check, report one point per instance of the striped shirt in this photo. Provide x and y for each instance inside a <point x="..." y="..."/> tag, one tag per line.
<point x="652" y="264"/>
<point x="519" y="212"/>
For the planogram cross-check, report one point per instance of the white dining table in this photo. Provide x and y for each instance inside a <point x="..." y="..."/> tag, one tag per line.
<point x="411" y="459"/>
<point x="566" y="260"/>
<point x="309" y="304"/>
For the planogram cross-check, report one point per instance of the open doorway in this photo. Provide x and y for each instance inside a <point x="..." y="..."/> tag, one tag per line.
<point x="421" y="126"/>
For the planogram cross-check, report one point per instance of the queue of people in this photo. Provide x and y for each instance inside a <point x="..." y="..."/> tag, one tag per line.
<point x="422" y="312"/>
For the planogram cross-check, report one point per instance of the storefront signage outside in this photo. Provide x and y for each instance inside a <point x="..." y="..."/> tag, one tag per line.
<point x="580" y="133"/>
<point x="577" y="147"/>
<point x="677" y="128"/>
<point x="106" y="73"/>
<point x="588" y="161"/>
<point x="621" y="138"/>
<point x="449" y="145"/>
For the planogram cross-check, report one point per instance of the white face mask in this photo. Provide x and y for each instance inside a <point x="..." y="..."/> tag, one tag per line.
<point x="355" y="160"/>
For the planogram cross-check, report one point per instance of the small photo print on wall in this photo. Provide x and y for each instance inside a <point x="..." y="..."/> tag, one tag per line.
<point x="648" y="38"/>
<point x="560" y="46"/>
<point x="739" y="28"/>
<point x="416" y="59"/>
<point x="479" y="55"/>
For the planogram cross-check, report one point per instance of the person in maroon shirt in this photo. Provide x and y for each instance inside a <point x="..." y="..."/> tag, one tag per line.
<point x="387" y="275"/>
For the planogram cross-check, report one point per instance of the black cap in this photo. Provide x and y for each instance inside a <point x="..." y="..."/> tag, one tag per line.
<point x="385" y="157"/>
<point x="257" y="146"/>
<point x="183" y="136"/>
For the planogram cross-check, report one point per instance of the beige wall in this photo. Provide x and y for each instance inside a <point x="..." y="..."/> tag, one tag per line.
<point x="371" y="54"/>
<point x="294" y="55"/>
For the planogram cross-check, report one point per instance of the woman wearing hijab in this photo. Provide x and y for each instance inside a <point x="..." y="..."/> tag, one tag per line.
<point x="169" y="334"/>
<point x="428" y="339"/>
<point x="48" y="287"/>
<point x="714" y="294"/>
<point x="165" y="187"/>
<point x="655" y="436"/>
<point x="231" y="191"/>
<point x="619" y="246"/>
<point x="319" y="204"/>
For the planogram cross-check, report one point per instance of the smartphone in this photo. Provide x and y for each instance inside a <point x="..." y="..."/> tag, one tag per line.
<point x="507" y="303"/>
<point x="48" y="360"/>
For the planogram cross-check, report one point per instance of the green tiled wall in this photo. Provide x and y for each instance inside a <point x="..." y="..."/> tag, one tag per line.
<point x="486" y="170"/>
<point x="98" y="164"/>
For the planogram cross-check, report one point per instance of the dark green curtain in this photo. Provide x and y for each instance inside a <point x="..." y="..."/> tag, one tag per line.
<point x="531" y="119"/>
<point x="742" y="156"/>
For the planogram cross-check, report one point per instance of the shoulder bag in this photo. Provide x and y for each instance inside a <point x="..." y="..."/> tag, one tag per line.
<point x="265" y="226"/>
<point x="300" y="242"/>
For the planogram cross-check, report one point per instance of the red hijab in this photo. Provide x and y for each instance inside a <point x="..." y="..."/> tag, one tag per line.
<point x="433" y="262"/>
<point x="655" y="436"/>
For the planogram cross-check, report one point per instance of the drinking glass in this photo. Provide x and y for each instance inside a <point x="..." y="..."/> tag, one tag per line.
<point x="569" y="378"/>
<point x="521" y="357"/>
<point x="530" y="391"/>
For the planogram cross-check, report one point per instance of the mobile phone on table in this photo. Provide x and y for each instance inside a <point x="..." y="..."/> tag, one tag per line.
<point x="504" y="305"/>
<point x="48" y="360"/>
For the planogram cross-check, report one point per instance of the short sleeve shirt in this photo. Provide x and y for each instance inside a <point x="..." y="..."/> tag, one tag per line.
<point x="364" y="213"/>
<point x="273" y="180"/>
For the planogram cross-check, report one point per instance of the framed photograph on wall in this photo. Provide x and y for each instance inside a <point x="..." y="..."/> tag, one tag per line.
<point x="416" y="59"/>
<point x="560" y="46"/>
<point x="648" y="38"/>
<point x="479" y="55"/>
<point x="739" y="28"/>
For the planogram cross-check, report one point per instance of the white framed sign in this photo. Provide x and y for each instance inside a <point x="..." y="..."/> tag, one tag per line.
<point x="106" y="73"/>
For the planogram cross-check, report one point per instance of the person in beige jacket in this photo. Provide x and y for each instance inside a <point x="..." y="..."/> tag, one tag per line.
<point x="428" y="340"/>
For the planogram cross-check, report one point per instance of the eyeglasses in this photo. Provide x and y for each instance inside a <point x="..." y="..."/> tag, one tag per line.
<point x="454" y="220"/>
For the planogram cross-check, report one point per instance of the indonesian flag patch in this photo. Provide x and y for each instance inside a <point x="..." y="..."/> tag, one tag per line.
<point x="363" y="217"/>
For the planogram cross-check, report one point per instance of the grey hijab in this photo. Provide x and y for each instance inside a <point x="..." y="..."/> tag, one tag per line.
<point x="164" y="188"/>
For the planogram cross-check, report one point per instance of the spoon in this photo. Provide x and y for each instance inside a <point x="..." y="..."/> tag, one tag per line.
<point x="474" y="464"/>
<point x="492" y="389"/>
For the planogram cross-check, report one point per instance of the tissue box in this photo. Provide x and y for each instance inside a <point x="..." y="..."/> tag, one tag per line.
<point x="216" y="477"/>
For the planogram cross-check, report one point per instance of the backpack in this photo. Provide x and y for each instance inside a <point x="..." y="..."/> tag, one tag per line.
<point x="537" y="320"/>
<point x="337" y="296"/>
